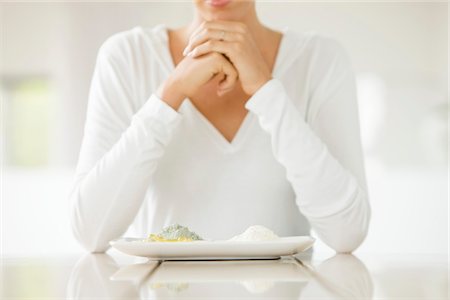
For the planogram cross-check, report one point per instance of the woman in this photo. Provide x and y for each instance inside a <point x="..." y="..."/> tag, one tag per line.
<point x="249" y="126"/>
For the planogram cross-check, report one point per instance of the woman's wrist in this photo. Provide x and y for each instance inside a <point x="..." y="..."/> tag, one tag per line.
<point x="261" y="83"/>
<point x="169" y="93"/>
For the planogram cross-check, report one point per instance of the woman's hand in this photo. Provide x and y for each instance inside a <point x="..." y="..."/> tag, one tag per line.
<point x="237" y="44"/>
<point x="190" y="74"/>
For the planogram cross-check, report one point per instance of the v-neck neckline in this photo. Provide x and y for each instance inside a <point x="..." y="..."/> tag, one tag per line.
<point x="215" y="134"/>
<point x="209" y="128"/>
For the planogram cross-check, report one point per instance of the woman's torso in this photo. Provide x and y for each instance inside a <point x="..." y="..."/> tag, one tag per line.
<point x="216" y="187"/>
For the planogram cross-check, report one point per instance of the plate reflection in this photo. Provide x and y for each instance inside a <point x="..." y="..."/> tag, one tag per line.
<point x="339" y="277"/>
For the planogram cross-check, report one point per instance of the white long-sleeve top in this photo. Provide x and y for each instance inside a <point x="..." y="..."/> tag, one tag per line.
<point x="295" y="162"/>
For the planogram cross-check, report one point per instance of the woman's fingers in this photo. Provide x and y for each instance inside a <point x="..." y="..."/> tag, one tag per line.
<point x="231" y="76"/>
<point x="220" y="25"/>
<point x="211" y="34"/>
<point x="223" y="47"/>
<point x="213" y="29"/>
<point x="238" y="47"/>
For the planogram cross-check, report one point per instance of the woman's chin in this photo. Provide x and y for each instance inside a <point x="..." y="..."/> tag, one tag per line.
<point x="227" y="10"/>
<point x="218" y="4"/>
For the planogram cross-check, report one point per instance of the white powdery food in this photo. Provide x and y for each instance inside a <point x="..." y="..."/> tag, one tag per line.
<point x="256" y="233"/>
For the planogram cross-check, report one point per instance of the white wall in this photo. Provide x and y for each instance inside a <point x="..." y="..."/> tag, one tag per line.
<point x="399" y="51"/>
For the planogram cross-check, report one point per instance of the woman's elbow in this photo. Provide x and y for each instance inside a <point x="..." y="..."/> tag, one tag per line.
<point x="353" y="232"/>
<point x="346" y="231"/>
<point x="94" y="247"/>
<point x="349" y="241"/>
<point x="88" y="241"/>
<point x="87" y="237"/>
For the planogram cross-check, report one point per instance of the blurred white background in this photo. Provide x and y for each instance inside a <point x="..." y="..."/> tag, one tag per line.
<point x="400" y="56"/>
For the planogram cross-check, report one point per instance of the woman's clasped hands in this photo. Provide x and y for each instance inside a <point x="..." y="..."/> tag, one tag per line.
<point x="233" y="41"/>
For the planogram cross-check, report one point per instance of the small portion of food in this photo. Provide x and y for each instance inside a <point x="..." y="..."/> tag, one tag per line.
<point x="174" y="287"/>
<point x="174" y="233"/>
<point x="256" y="233"/>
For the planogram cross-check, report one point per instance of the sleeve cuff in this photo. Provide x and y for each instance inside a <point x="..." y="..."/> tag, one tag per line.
<point x="157" y="117"/>
<point x="156" y="109"/>
<point x="263" y="98"/>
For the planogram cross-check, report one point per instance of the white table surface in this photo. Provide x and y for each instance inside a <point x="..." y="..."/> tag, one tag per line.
<point x="117" y="276"/>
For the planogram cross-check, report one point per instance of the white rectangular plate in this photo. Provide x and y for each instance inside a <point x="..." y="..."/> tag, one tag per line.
<point x="208" y="250"/>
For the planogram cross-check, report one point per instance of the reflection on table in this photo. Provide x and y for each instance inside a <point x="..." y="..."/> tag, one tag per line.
<point x="342" y="276"/>
<point x="305" y="276"/>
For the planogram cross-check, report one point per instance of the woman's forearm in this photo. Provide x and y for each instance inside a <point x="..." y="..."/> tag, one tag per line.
<point x="327" y="193"/>
<point x="106" y="197"/>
